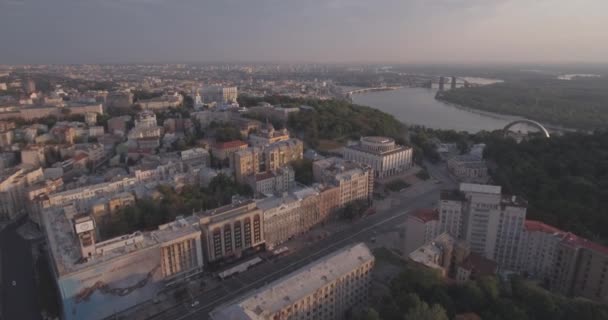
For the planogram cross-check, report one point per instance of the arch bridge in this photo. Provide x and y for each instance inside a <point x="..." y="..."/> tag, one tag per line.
<point x="528" y="122"/>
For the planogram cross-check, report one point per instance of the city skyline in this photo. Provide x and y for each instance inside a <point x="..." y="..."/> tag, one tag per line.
<point x="351" y="31"/>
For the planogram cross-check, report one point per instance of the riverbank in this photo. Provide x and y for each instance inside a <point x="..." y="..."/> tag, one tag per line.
<point x="560" y="104"/>
<point x="418" y="107"/>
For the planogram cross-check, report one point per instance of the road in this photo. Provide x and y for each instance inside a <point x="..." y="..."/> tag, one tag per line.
<point x="360" y="230"/>
<point x="20" y="301"/>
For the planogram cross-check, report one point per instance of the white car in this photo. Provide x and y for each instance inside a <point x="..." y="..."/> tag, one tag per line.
<point x="14" y="283"/>
<point x="194" y="304"/>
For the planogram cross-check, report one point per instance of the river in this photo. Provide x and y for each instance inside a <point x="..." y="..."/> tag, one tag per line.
<point x="417" y="106"/>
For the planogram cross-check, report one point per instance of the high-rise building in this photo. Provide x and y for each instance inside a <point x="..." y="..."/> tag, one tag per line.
<point x="490" y="222"/>
<point x="382" y="154"/>
<point x="421" y="227"/>
<point x="581" y="269"/>
<point x="324" y="289"/>
<point x="538" y="249"/>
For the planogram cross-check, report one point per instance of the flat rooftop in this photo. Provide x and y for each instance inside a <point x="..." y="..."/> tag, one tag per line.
<point x="65" y="246"/>
<point x="283" y="292"/>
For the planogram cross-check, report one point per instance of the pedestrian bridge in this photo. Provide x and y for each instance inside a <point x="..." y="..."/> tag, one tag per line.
<point x="528" y="122"/>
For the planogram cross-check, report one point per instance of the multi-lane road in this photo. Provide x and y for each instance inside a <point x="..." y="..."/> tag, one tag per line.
<point x="19" y="298"/>
<point x="360" y="230"/>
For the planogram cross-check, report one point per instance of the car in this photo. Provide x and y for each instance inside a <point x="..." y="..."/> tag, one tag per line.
<point x="14" y="283"/>
<point x="373" y="239"/>
<point x="194" y="304"/>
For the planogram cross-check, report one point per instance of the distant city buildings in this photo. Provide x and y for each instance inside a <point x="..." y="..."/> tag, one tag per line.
<point x="382" y="154"/>
<point x="325" y="289"/>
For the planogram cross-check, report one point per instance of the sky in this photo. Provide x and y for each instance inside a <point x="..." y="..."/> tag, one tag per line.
<point x="347" y="31"/>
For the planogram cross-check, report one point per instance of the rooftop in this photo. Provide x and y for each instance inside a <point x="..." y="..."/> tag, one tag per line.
<point x="453" y="195"/>
<point x="479" y="265"/>
<point x="230" y="144"/>
<point x="65" y="247"/>
<point x="533" y="225"/>
<point x="285" y="291"/>
<point x="377" y="139"/>
<point x="580" y="242"/>
<point x="479" y="188"/>
<point x="426" y="215"/>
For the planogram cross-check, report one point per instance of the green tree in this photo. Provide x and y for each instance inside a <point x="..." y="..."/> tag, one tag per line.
<point x="424" y="312"/>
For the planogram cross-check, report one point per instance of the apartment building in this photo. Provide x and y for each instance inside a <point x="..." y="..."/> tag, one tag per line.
<point x="355" y="180"/>
<point x="492" y="223"/>
<point x="421" y="227"/>
<point x="272" y="182"/>
<point x="538" y="249"/>
<point x="581" y="268"/>
<point x="325" y="289"/>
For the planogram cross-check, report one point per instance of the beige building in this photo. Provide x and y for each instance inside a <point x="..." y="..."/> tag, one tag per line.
<point x="355" y="180"/>
<point x="325" y="289"/>
<point x="441" y="253"/>
<point x="229" y="230"/>
<point x="34" y="155"/>
<point x="382" y="154"/>
<point x="289" y="215"/>
<point x="163" y="102"/>
<point x="329" y="200"/>
<point x="246" y="163"/>
<point x="467" y="168"/>
<point x="180" y="248"/>
<point x="226" y="150"/>
<point x="268" y="135"/>
<point x="220" y="95"/>
<point x="280" y="154"/>
<point x="14" y="185"/>
<point x="105" y="207"/>
<point x="272" y="182"/>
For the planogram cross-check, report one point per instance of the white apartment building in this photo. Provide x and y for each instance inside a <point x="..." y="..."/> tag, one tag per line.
<point x="491" y="223"/>
<point x="421" y="227"/>
<point x="381" y="153"/>
<point x="538" y="250"/>
<point x="325" y="289"/>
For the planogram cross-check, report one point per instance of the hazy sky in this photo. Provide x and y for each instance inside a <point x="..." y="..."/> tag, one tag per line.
<point x="409" y="31"/>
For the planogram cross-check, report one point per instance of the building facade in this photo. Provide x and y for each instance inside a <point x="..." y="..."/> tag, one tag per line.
<point x="354" y="180"/>
<point x="325" y="289"/>
<point x="490" y="222"/>
<point x="230" y="230"/>
<point x="382" y="154"/>
<point x="421" y="227"/>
